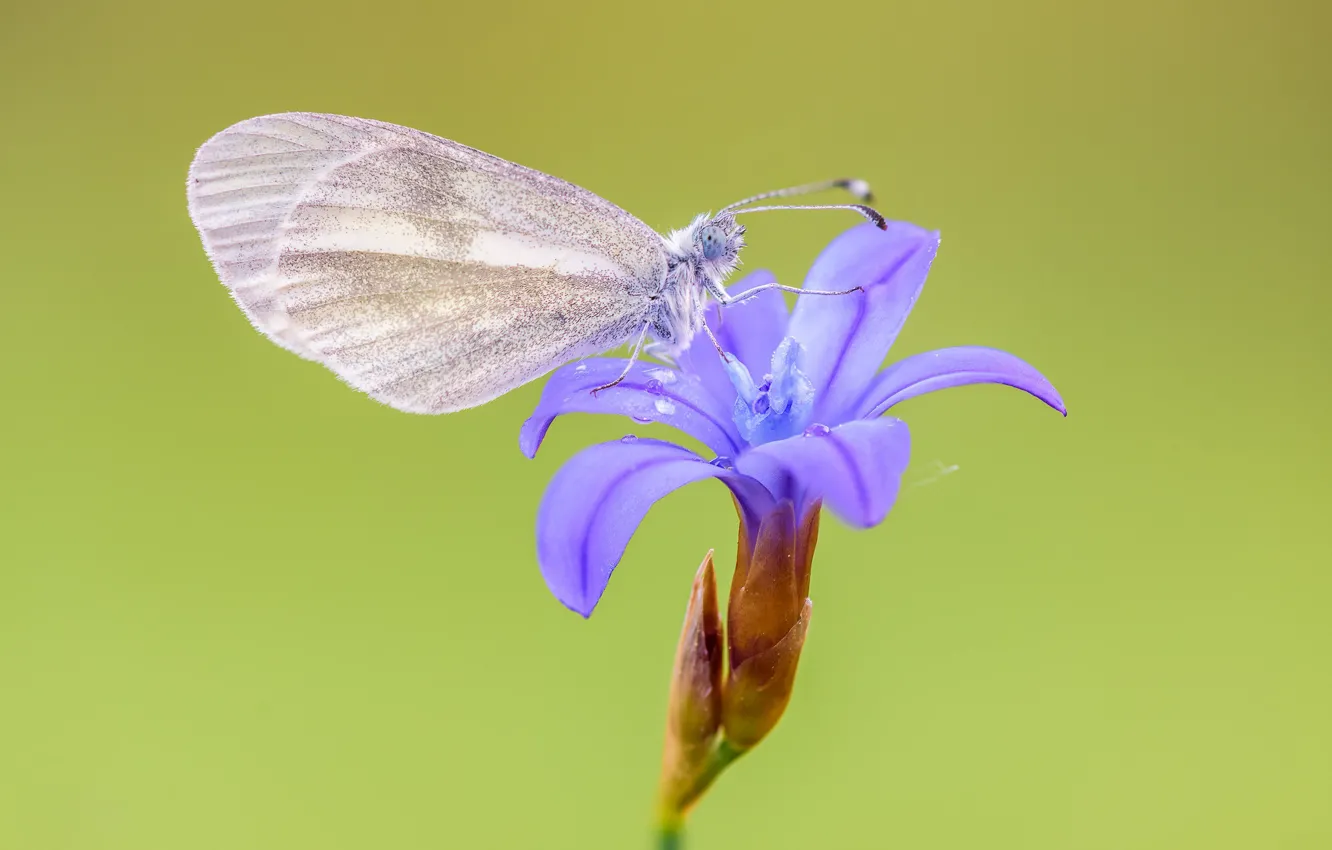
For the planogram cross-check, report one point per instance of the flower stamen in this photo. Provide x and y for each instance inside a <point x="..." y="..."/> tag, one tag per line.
<point x="777" y="408"/>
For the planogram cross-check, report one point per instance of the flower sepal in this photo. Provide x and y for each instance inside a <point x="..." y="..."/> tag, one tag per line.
<point x="760" y="688"/>
<point x="693" y="714"/>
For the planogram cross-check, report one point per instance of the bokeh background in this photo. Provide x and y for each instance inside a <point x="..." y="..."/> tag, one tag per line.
<point x="243" y="606"/>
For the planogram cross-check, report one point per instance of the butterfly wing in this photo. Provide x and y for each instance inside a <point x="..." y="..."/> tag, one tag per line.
<point x="428" y="274"/>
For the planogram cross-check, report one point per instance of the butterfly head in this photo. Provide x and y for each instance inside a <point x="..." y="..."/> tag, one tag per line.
<point x="710" y="246"/>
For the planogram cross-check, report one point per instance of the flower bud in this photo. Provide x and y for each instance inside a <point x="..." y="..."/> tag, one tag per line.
<point x="694" y="711"/>
<point x="768" y="616"/>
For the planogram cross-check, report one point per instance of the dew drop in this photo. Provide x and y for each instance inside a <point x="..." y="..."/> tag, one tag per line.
<point x="655" y="387"/>
<point x="666" y="376"/>
<point x="664" y="407"/>
<point x="817" y="430"/>
<point x="629" y="438"/>
<point x="581" y="367"/>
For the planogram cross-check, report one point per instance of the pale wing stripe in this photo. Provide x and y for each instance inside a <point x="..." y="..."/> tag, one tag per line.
<point x="296" y="309"/>
<point x="494" y="248"/>
<point x="217" y="219"/>
<point x="201" y="197"/>
<point x="324" y="227"/>
<point x="407" y="214"/>
<point x="338" y="229"/>
<point x="236" y="215"/>
<point x="246" y="231"/>
<point x="212" y="168"/>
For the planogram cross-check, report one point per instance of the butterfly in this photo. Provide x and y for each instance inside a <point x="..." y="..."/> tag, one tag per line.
<point x="435" y="277"/>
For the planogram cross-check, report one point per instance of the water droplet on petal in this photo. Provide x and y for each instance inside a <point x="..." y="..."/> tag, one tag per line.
<point x="817" y="430"/>
<point x="581" y="367"/>
<point x="655" y="387"/>
<point x="664" y="407"/>
<point x="666" y="376"/>
<point x="629" y="438"/>
<point x="722" y="462"/>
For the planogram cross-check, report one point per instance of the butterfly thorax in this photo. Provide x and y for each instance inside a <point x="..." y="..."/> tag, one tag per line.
<point x="699" y="258"/>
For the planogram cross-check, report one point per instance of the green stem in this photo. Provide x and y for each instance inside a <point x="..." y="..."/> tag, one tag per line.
<point x="722" y="755"/>
<point x="670" y="834"/>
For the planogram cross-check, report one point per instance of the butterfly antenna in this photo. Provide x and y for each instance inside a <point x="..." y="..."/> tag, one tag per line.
<point x="859" y="188"/>
<point x="868" y="212"/>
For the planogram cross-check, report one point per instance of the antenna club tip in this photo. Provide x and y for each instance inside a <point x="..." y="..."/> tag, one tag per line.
<point x="873" y="215"/>
<point x="857" y="187"/>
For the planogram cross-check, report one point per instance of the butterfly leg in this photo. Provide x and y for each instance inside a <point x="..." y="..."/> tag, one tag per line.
<point x="633" y="358"/>
<point x="713" y="337"/>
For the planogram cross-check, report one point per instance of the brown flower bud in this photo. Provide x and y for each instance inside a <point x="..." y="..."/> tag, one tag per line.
<point x="768" y="616"/>
<point x="694" y="711"/>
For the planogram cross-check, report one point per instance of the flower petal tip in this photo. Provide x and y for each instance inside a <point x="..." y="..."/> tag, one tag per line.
<point x="1054" y="400"/>
<point x="581" y="607"/>
<point x="530" y="436"/>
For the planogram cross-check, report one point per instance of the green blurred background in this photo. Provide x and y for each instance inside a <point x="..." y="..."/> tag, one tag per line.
<point x="242" y="606"/>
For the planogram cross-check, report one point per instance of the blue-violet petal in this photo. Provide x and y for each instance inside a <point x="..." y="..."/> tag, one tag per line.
<point x="955" y="367"/>
<point x="846" y="337"/>
<point x="856" y="467"/>
<point x="650" y="393"/>
<point x="597" y="499"/>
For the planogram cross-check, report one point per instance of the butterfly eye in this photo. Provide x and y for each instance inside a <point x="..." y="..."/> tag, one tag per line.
<point x="714" y="242"/>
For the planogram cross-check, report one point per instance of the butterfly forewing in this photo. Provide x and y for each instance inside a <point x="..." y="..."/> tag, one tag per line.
<point x="430" y="275"/>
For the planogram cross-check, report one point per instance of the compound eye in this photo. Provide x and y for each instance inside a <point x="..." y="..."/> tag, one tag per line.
<point x="714" y="242"/>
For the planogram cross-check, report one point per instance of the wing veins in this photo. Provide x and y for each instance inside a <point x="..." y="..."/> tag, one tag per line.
<point x="325" y="133"/>
<point x="199" y="196"/>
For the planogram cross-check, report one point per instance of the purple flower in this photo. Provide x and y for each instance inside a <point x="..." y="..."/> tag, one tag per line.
<point x="795" y="415"/>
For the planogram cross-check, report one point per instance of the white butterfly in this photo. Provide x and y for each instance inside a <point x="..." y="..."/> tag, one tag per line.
<point x="436" y="277"/>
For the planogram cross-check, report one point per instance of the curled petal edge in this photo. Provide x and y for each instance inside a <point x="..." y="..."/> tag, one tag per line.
<point x="649" y="393"/>
<point x="955" y="367"/>
<point x="597" y="500"/>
